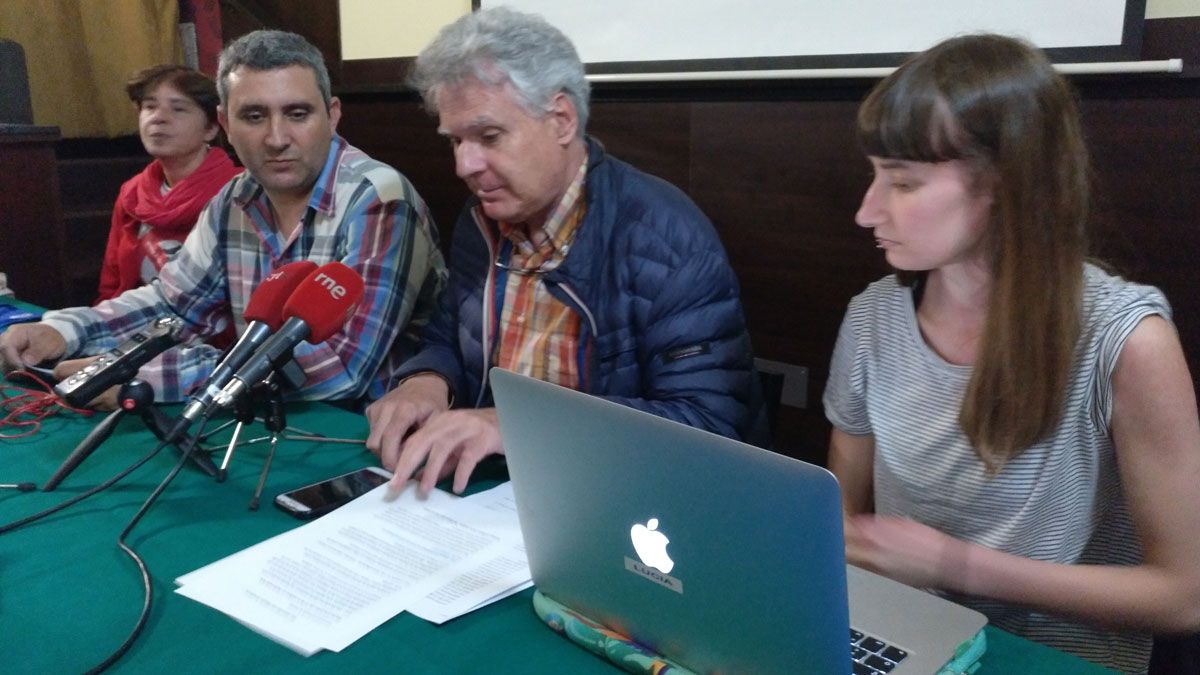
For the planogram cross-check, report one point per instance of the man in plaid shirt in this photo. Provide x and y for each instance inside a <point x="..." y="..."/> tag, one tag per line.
<point x="305" y="195"/>
<point x="568" y="265"/>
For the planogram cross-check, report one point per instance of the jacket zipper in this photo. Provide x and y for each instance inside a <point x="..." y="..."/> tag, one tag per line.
<point x="587" y="313"/>
<point x="489" y="292"/>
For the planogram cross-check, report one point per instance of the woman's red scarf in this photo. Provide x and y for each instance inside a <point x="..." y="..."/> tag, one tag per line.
<point x="170" y="216"/>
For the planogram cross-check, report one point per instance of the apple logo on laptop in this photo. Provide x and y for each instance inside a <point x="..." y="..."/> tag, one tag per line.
<point x="651" y="545"/>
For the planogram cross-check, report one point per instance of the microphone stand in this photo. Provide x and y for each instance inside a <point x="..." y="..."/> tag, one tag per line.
<point x="289" y="374"/>
<point x="159" y="423"/>
<point x="85" y="448"/>
<point x="243" y="412"/>
<point x="276" y="422"/>
<point x="134" y="395"/>
<point x="270" y="391"/>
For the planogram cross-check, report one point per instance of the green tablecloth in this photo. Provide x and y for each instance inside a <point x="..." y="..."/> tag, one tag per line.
<point x="69" y="596"/>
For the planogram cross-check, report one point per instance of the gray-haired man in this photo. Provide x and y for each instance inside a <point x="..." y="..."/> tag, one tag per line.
<point x="567" y="264"/>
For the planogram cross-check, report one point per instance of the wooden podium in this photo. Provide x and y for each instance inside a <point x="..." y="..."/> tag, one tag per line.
<point x="33" y="245"/>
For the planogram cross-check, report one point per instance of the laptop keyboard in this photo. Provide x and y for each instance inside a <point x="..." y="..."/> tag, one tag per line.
<point x="872" y="656"/>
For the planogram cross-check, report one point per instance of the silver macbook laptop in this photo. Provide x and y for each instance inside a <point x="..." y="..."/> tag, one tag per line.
<point x="716" y="554"/>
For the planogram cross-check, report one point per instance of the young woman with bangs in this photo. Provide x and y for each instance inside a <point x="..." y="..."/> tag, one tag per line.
<point x="1013" y="426"/>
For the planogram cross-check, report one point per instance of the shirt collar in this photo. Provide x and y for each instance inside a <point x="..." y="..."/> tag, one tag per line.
<point x="560" y="216"/>
<point x="324" y="191"/>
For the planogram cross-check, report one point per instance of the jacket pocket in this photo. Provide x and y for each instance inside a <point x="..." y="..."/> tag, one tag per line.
<point x="617" y="345"/>
<point x="617" y="370"/>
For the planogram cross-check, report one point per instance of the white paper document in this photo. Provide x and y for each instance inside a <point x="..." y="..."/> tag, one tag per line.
<point x="479" y="582"/>
<point x="328" y="583"/>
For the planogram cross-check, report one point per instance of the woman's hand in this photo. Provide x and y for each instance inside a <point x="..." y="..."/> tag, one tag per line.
<point x="907" y="551"/>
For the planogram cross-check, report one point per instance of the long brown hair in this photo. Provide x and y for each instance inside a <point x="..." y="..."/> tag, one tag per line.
<point x="997" y="102"/>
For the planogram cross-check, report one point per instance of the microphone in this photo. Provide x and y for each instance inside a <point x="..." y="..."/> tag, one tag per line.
<point x="264" y="314"/>
<point x="119" y="365"/>
<point x="315" y="311"/>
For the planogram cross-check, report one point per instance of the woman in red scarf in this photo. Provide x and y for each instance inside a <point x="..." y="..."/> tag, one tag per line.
<point x="177" y="120"/>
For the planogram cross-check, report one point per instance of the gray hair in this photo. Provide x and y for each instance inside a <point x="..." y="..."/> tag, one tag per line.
<point x="269" y="50"/>
<point x="501" y="45"/>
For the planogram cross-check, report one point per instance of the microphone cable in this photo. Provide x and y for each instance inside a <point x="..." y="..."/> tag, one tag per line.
<point x="29" y="405"/>
<point x="9" y="527"/>
<point x="49" y="511"/>
<point x="143" y="569"/>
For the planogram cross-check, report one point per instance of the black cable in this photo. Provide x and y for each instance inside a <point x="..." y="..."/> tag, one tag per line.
<point x="9" y="527"/>
<point x="147" y="598"/>
<point x="147" y="586"/>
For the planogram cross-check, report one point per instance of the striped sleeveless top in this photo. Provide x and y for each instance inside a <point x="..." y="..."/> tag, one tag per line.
<point x="1060" y="500"/>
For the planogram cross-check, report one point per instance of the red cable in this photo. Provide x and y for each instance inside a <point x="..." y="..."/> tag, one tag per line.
<point x="28" y="407"/>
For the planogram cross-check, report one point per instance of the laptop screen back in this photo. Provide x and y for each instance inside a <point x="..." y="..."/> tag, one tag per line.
<point x="720" y="555"/>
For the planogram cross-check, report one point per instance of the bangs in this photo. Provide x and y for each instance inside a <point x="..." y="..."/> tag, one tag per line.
<point x="906" y="117"/>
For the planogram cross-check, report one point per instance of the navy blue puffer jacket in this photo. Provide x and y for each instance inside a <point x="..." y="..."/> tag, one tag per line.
<point x="662" y="324"/>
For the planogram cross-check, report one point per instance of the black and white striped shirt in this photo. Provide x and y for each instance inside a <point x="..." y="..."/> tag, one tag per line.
<point x="1060" y="500"/>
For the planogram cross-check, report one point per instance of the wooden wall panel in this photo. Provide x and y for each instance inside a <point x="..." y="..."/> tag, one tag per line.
<point x="653" y="136"/>
<point x="1146" y="157"/>
<point x="781" y="180"/>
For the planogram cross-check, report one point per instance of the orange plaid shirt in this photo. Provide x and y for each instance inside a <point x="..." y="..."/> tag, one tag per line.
<point x="538" y="334"/>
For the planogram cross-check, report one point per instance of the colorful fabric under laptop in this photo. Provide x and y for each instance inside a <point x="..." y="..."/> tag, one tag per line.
<point x="967" y="657"/>
<point x="618" y="649"/>
<point x="634" y="658"/>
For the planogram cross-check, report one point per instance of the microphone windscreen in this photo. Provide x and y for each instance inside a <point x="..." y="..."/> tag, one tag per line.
<point x="267" y="301"/>
<point x="325" y="299"/>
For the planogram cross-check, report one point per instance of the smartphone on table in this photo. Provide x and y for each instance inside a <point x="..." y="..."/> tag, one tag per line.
<point x="315" y="500"/>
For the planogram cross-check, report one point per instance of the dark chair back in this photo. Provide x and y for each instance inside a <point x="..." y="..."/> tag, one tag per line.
<point x="772" y="390"/>
<point x="1175" y="655"/>
<point x="15" y="107"/>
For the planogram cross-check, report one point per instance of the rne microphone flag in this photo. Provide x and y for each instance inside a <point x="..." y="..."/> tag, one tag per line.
<point x="325" y="299"/>
<point x="267" y="301"/>
<point x="316" y="310"/>
<point x="264" y="316"/>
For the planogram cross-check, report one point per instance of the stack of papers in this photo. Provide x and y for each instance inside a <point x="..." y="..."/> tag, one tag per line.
<point x="328" y="583"/>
